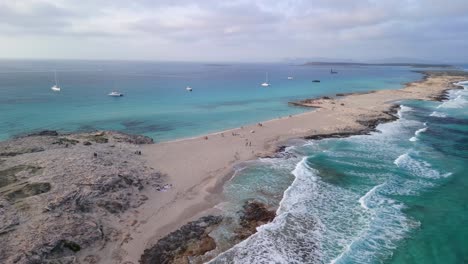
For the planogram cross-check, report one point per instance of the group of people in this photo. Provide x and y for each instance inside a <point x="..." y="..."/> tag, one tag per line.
<point x="247" y="143"/>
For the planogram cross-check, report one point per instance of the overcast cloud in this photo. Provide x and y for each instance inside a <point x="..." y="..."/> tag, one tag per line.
<point x="236" y="30"/>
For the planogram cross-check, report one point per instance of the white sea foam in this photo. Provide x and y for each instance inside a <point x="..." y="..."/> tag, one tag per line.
<point x="363" y="199"/>
<point x="301" y="171"/>
<point x="292" y="229"/>
<point x="438" y="114"/>
<point x="457" y="102"/>
<point x="387" y="225"/>
<point x="419" y="131"/>
<point x="416" y="134"/>
<point x="403" y="109"/>
<point x="417" y="168"/>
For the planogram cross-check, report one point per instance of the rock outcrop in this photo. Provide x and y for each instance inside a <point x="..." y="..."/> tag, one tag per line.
<point x="189" y="241"/>
<point x="62" y="193"/>
<point x="253" y="215"/>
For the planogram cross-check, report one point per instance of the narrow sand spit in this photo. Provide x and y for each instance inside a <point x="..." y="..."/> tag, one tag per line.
<point x="198" y="167"/>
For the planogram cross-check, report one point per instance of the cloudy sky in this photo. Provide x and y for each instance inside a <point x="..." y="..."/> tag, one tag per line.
<point x="235" y="30"/>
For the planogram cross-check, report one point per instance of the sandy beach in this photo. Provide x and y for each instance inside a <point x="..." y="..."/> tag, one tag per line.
<point x="197" y="167"/>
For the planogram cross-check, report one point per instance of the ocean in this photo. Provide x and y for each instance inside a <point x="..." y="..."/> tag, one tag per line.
<point x="397" y="195"/>
<point x="155" y="101"/>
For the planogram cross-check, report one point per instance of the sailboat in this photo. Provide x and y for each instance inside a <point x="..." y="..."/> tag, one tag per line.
<point x="333" y="72"/>
<point x="56" y="87"/>
<point x="115" y="94"/>
<point x="266" y="84"/>
<point x="290" y="77"/>
<point x="188" y="89"/>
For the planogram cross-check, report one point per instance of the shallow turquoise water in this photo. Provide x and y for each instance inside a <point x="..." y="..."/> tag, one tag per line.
<point x="156" y="102"/>
<point x="395" y="196"/>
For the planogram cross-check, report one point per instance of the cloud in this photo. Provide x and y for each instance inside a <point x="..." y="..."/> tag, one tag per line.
<point x="259" y="28"/>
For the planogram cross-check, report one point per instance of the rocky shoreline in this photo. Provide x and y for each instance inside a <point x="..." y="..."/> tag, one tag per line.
<point x="185" y="244"/>
<point x="60" y="193"/>
<point x="191" y="242"/>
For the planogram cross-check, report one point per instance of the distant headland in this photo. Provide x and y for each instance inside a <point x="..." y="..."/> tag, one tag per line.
<point x="408" y="64"/>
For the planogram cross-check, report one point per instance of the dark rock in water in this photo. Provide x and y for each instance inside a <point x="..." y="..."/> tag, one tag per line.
<point x="254" y="214"/>
<point x="190" y="240"/>
<point x="393" y="111"/>
<point x="45" y="133"/>
<point x="87" y="143"/>
<point x="442" y="96"/>
<point x="316" y="81"/>
<point x="371" y="124"/>
<point x="281" y="148"/>
<point x="280" y="152"/>
<point x="332" y="135"/>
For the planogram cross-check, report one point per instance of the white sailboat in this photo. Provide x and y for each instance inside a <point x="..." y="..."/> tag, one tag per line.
<point x="266" y="84"/>
<point x="115" y="94"/>
<point x="56" y="87"/>
<point x="188" y="88"/>
<point x="290" y="77"/>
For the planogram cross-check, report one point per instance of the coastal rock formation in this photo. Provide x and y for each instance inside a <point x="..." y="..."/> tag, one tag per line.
<point x="253" y="215"/>
<point x="62" y="193"/>
<point x="180" y="246"/>
<point x="192" y="242"/>
<point x="45" y="133"/>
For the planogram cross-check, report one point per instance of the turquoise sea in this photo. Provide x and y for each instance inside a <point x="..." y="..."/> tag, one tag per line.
<point x="397" y="195"/>
<point x="156" y="102"/>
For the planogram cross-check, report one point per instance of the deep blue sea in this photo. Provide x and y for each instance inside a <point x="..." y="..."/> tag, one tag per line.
<point x="155" y="101"/>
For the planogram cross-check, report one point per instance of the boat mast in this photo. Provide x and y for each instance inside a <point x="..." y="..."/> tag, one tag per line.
<point x="56" y="82"/>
